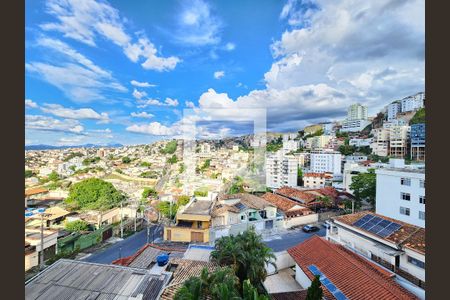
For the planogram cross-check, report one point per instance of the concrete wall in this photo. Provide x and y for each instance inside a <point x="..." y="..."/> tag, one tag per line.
<point x="301" y="277"/>
<point x="301" y="220"/>
<point x="31" y="260"/>
<point x="180" y="234"/>
<point x="283" y="261"/>
<point x="410" y="268"/>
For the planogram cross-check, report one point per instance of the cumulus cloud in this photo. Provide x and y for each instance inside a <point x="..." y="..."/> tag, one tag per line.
<point x="143" y="115"/>
<point x="30" y="103"/>
<point x="141" y="84"/>
<point x="229" y="46"/>
<point x="139" y="94"/>
<point x="197" y="25"/>
<point x="85" y="21"/>
<point x="189" y="104"/>
<point x="76" y="114"/>
<point x="154" y="128"/>
<point x="219" y="74"/>
<point x="44" y="123"/>
<point x="154" y="102"/>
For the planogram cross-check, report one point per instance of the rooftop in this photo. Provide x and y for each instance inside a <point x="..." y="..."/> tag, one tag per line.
<point x="408" y="235"/>
<point x="249" y="200"/>
<point x="282" y="203"/>
<point x="198" y="207"/>
<point x="35" y="191"/>
<point x="69" y="279"/>
<point x="354" y="276"/>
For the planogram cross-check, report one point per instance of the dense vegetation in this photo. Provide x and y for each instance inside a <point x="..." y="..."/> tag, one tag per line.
<point x="315" y="291"/>
<point x="170" y="147"/>
<point x="76" y="226"/>
<point x="275" y="145"/>
<point x="29" y="173"/>
<point x="364" y="186"/>
<point x="93" y="194"/>
<point x="149" y="192"/>
<point x="126" y="160"/>
<point x="72" y="155"/>
<point x="53" y="176"/>
<point x="237" y="186"/>
<point x="93" y="160"/>
<point x="149" y="174"/>
<point x="173" y="159"/>
<point x="419" y="117"/>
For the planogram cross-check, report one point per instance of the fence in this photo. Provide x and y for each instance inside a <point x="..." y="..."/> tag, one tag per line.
<point x="82" y="241"/>
<point x="301" y="220"/>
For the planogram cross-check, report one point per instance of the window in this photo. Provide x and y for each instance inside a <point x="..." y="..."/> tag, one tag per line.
<point x="405" y="181"/>
<point x="405" y="196"/>
<point x="242" y="217"/>
<point x="422" y="183"/>
<point x="416" y="262"/>
<point x="422" y="199"/>
<point x="422" y="215"/>
<point x="404" y="211"/>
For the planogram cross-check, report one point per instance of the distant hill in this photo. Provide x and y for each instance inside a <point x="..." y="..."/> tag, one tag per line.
<point x="50" y="147"/>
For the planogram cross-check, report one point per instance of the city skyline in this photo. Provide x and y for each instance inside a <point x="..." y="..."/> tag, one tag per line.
<point x="119" y="72"/>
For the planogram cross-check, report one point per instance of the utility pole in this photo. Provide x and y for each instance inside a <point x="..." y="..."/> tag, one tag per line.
<point x="41" y="265"/>
<point x="353" y="206"/>
<point x="121" y="219"/>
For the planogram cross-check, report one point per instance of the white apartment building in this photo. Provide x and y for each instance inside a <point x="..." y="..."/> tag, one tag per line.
<point x="360" y="142"/>
<point x="205" y="148"/>
<point x="354" y="125"/>
<point x="317" y="180"/>
<point x="398" y="140"/>
<point x="328" y="128"/>
<point x="290" y="145"/>
<point x="357" y="112"/>
<point x="393" y="109"/>
<point x="401" y="193"/>
<point x="413" y="103"/>
<point x="281" y="170"/>
<point x="326" y="162"/>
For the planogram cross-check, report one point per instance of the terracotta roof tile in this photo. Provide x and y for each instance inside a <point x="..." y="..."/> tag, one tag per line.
<point x="249" y="200"/>
<point x="283" y="203"/>
<point x="297" y="295"/>
<point x="295" y="194"/>
<point x="356" y="277"/>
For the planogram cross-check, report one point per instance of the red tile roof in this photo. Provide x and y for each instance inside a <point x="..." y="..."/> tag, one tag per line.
<point x="295" y="194"/>
<point x="356" y="277"/>
<point x="283" y="203"/>
<point x="321" y="175"/>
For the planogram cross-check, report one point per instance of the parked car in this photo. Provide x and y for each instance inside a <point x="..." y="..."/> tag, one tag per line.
<point x="326" y="224"/>
<point x="310" y="228"/>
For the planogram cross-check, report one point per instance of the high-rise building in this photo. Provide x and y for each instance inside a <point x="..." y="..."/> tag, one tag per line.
<point x="413" y="103"/>
<point x="398" y="141"/>
<point x="326" y="162"/>
<point x="356" y="112"/>
<point x="393" y="109"/>
<point x="400" y="192"/>
<point x="380" y="143"/>
<point x="281" y="170"/>
<point x="418" y="142"/>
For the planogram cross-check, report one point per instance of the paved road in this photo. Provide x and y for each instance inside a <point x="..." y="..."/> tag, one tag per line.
<point x="125" y="247"/>
<point x="290" y="239"/>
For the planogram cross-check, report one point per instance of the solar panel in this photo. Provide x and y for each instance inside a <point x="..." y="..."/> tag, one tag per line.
<point x="390" y="229"/>
<point x="371" y="223"/>
<point x="327" y="283"/>
<point x="240" y="206"/>
<point x="363" y="220"/>
<point x="377" y="225"/>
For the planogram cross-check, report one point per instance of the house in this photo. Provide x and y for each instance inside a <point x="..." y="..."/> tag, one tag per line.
<point x="192" y="223"/>
<point x="34" y="247"/>
<point x="343" y="274"/>
<point x="31" y="256"/>
<point x="396" y="245"/>
<point x="317" y="180"/>
<point x="83" y="280"/>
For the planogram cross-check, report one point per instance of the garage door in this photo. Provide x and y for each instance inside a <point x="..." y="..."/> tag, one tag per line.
<point x="197" y="237"/>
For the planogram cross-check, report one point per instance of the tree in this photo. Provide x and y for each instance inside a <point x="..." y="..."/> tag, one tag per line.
<point x="88" y="161"/>
<point x="53" y="176"/>
<point x="29" y="173"/>
<point x="93" y="194"/>
<point x="250" y="293"/>
<point x="76" y="226"/>
<point x="182" y="168"/>
<point x="149" y="174"/>
<point x="237" y="186"/>
<point x="172" y="160"/>
<point x="347" y="149"/>
<point x="246" y="254"/>
<point x="183" y="200"/>
<point x="149" y="192"/>
<point x="146" y="164"/>
<point x="315" y="292"/>
<point x="419" y="117"/>
<point x="170" y="147"/>
<point x="364" y="186"/>
<point x="167" y="209"/>
<point x="126" y="160"/>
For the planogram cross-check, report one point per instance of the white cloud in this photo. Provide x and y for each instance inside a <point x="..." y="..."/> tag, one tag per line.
<point x="143" y="115"/>
<point x="171" y="102"/>
<point x="84" y="21"/>
<point x="30" y="103"/>
<point x="77" y="114"/>
<point x="189" y="104"/>
<point x="154" y="102"/>
<point x="141" y="84"/>
<point x="44" y="123"/>
<point x="154" y="128"/>
<point x="138" y="94"/>
<point x="197" y="25"/>
<point x="230" y="46"/>
<point x="219" y="74"/>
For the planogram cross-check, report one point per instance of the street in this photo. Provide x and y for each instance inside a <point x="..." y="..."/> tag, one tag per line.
<point x="126" y="247"/>
<point x="291" y="238"/>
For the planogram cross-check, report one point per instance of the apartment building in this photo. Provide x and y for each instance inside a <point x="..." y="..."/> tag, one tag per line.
<point x="326" y="162"/>
<point x="357" y="112"/>
<point x="360" y="142"/>
<point x="393" y="109"/>
<point x="401" y="193"/>
<point x="354" y="125"/>
<point x="290" y="145"/>
<point x="413" y="102"/>
<point x="380" y="141"/>
<point x="317" y="180"/>
<point x="418" y="142"/>
<point x="318" y="142"/>
<point x="399" y="140"/>
<point x="281" y="170"/>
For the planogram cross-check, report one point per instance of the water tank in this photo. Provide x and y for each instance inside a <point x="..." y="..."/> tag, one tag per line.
<point x="162" y="259"/>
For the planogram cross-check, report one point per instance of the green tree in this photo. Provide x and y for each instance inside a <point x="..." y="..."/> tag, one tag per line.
<point x="237" y="186"/>
<point x="88" y="161"/>
<point x="93" y="194"/>
<point x="315" y="291"/>
<point x="182" y="168"/>
<point x="246" y="254"/>
<point x="170" y="147"/>
<point x="29" y="173"/>
<point x="126" y="160"/>
<point x="347" y="149"/>
<point x="167" y="209"/>
<point x="53" y="176"/>
<point x="364" y="186"/>
<point x="249" y="292"/>
<point x="419" y="117"/>
<point x="146" y="164"/>
<point x="172" y="160"/>
<point x="149" y="192"/>
<point x="73" y="168"/>
<point x="76" y="226"/>
<point x="183" y="200"/>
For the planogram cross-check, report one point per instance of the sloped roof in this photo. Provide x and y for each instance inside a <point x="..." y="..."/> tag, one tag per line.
<point x="354" y="276"/>
<point x="249" y="200"/>
<point x="282" y="203"/>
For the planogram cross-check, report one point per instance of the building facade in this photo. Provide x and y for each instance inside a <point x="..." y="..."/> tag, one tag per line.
<point x="413" y="103"/>
<point x="399" y="141"/>
<point x="281" y="170"/>
<point x="326" y="162"/>
<point x="393" y="109"/>
<point x="418" y="142"/>
<point x="357" y="112"/>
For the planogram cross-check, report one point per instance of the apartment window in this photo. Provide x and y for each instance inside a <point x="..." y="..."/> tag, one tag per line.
<point x="422" y="215"/>
<point x="422" y="199"/>
<point x="404" y="211"/>
<point x="416" y="262"/>
<point x="422" y="183"/>
<point x="405" y="196"/>
<point x="405" y="181"/>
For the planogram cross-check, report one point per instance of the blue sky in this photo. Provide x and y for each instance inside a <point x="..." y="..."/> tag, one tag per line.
<point x="125" y="71"/>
